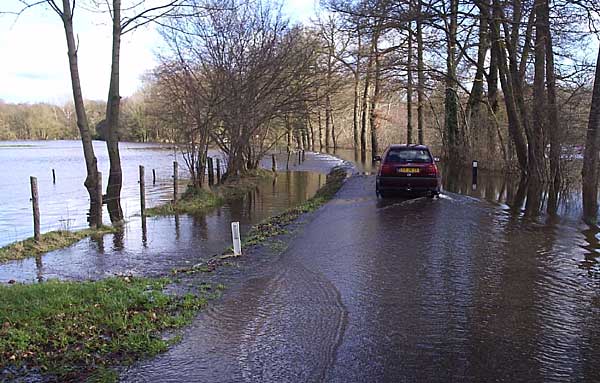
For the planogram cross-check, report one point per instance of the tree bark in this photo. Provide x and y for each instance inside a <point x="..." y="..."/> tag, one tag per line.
<point x="113" y="105"/>
<point x="91" y="162"/>
<point x="374" y="123"/>
<point x="327" y="120"/>
<point x="355" y="120"/>
<point x="420" y="75"/>
<point x="409" y="86"/>
<point x="365" y="106"/>
<point x="536" y="139"/>
<point x="515" y="128"/>
<point x="589" y="171"/>
<point x="451" y="105"/>
<point x="474" y="103"/>
<point x="553" y="123"/>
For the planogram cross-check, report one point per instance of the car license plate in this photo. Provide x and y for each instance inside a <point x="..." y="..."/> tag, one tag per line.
<point x="408" y="170"/>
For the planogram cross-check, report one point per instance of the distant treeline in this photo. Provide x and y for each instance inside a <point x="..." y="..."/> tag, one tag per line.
<point x="52" y="122"/>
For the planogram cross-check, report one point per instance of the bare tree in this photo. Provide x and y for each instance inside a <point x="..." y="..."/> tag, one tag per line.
<point x="589" y="172"/>
<point x="66" y="13"/>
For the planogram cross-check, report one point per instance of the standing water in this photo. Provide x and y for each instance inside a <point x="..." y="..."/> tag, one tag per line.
<point x="169" y="242"/>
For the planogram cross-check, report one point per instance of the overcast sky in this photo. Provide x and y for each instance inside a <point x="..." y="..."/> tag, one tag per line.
<point x="33" y="51"/>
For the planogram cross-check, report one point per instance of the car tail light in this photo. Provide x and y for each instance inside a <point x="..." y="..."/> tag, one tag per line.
<point x="431" y="170"/>
<point x="386" y="170"/>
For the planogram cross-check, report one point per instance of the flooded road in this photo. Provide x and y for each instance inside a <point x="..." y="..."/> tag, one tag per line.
<point x="415" y="290"/>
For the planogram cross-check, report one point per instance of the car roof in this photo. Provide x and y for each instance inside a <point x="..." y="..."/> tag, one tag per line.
<point x="407" y="146"/>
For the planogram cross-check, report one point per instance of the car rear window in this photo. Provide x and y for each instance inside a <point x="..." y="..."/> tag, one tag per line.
<point x="408" y="155"/>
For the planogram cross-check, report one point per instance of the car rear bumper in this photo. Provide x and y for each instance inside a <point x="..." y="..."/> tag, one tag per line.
<point x="408" y="184"/>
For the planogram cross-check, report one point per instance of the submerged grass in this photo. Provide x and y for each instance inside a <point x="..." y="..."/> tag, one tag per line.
<point x="50" y="241"/>
<point x="77" y="330"/>
<point x="195" y="200"/>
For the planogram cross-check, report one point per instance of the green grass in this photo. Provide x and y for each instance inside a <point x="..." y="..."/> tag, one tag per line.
<point x="77" y="330"/>
<point x="50" y="241"/>
<point x="195" y="200"/>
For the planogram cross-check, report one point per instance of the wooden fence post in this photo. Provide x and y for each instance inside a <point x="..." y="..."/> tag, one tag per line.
<point x="153" y="176"/>
<point x="273" y="163"/>
<point x="175" y="181"/>
<point x="142" y="192"/>
<point x="53" y="176"/>
<point x="99" y="198"/>
<point x="36" y="208"/>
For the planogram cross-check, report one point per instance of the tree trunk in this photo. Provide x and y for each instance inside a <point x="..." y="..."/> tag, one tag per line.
<point x="476" y="97"/>
<point x="288" y="129"/>
<point x="536" y="139"/>
<point x="364" y="109"/>
<point x="320" y="129"/>
<point x="115" y="179"/>
<point x="355" y="116"/>
<point x="91" y="162"/>
<point x="375" y="99"/>
<point x="327" y="120"/>
<point x="492" y="94"/>
<point x="589" y="171"/>
<point x="451" y="101"/>
<point x="514" y="122"/>
<point x="333" y="133"/>
<point x="553" y="124"/>
<point x="409" y="86"/>
<point x="420" y="76"/>
<point x="311" y="139"/>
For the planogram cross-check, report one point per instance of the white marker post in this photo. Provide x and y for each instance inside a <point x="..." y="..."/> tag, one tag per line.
<point x="474" y="175"/>
<point x="235" y="233"/>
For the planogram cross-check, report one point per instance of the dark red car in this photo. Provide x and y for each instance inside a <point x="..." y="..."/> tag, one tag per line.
<point x="407" y="168"/>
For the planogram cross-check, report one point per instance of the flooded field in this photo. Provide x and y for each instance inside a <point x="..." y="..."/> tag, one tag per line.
<point x="65" y="204"/>
<point x="169" y="242"/>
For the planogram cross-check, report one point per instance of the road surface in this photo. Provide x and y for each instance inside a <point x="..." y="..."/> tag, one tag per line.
<point x="403" y="290"/>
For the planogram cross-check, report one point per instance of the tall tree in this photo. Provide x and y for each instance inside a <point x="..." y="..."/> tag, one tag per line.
<point x="91" y="163"/>
<point x="420" y="75"/>
<point x="409" y="86"/>
<point x="451" y="101"/>
<point x="589" y="171"/>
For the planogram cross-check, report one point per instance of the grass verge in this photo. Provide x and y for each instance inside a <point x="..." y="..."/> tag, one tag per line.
<point x="195" y="201"/>
<point x="50" y="241"/>
<point x="77" y="330"/>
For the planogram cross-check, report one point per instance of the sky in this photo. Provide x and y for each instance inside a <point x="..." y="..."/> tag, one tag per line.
<point x="33" y="53"/>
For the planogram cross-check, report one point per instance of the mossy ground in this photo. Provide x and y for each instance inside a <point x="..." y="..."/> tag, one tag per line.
<point x="48" y="242"/>
<point x="77" y="330"/>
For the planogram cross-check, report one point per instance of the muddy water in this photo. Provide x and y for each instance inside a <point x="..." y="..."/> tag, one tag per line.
<point x="450" y="289"/>
<point x="176" y="241"/>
